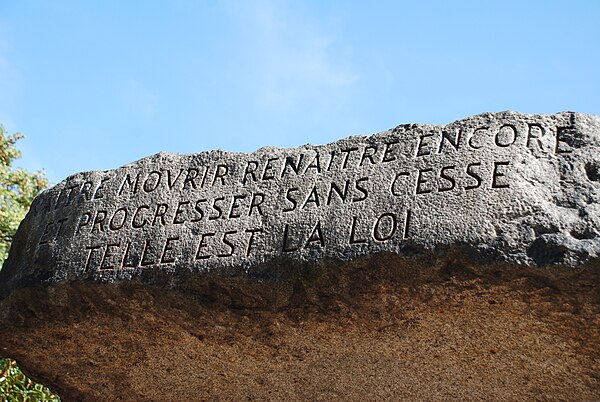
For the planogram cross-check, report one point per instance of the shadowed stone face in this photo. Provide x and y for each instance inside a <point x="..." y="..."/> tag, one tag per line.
<point x="514" y="187"/>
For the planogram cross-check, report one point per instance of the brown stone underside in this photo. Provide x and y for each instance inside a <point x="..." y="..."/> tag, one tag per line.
<point x="381" y="328"/>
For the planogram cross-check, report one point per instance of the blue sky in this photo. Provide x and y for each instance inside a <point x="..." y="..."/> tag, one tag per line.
<point x="97" y="84"/>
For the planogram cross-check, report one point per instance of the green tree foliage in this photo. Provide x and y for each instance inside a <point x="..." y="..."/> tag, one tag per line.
<point x="15" y="386"/>
<point x="18" y="188"/>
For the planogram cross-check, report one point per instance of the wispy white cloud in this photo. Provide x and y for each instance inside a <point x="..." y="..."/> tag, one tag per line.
<point x="292" y="58"/>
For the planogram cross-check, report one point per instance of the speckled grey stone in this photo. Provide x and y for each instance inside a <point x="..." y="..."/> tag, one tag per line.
<point x="506" y="186"/>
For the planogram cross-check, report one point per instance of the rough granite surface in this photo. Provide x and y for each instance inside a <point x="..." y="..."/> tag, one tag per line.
<point x="506" y="186"/>
<point x="455" y="262"/>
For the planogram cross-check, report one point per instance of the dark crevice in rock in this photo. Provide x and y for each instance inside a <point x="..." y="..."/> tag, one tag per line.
<point x="545" y="252"/>
<point x="585" y="234"/>
<point x="592" y="170"/>
<point x="544" y="229"/>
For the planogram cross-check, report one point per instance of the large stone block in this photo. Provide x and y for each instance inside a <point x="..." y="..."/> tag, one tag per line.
<point x="508" y="186"/>
<point x="358" y="235"/>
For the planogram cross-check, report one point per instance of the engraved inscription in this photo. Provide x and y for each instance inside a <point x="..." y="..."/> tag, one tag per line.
<point x="358" y="195"/>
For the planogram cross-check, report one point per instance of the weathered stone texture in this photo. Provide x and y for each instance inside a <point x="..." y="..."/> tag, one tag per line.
<point x="514" y="187"/>
<point x="424" y="262"/>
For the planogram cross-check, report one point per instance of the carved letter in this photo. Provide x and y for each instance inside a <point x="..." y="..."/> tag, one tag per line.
<point x="450" y="179"/>
<point x="353" y="240"/>
<point x="422" y="180"/>
<point x="229" y="244"/>
<point x="251" y="239"/>
<point x="316" y="236"/>
<point x="377" y="235"/>
<point x="498" y="174"/>
<point x="164" y="259"/>
<point x="474" y="175"/>
<point x="422" y="149"/>
<point x="532" y="135"/>
<point x="511" y="132"/>
<point x="286" y="248"/>
<point x="250" y="169"/>
<point x="202" y="245"/>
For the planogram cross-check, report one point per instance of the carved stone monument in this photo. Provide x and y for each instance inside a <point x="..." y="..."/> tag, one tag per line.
<point x="189" y="242"/>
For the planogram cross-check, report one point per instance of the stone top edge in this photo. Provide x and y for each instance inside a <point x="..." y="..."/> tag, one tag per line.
<point x="268" y="148"/>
